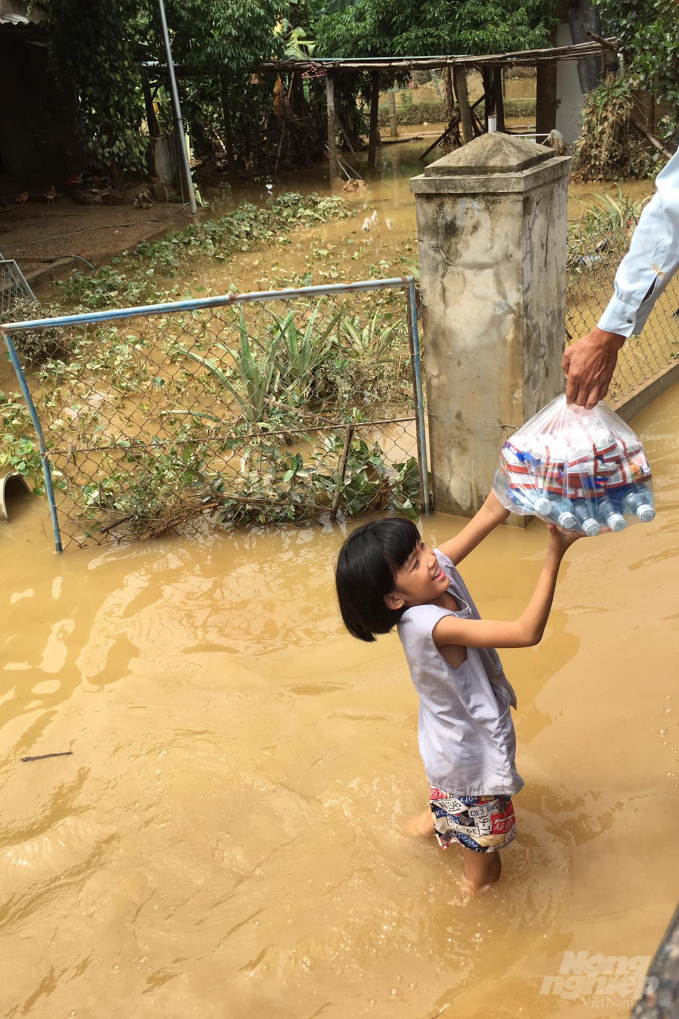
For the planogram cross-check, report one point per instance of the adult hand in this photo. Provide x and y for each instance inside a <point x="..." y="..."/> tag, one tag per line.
<point x="590" y="364"/>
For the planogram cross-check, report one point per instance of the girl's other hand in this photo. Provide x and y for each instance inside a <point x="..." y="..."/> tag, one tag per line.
<point x="561" y="541"/>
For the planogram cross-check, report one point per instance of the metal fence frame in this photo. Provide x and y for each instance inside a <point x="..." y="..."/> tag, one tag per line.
<point x="13" y="284"/>
<point x="404" y="283"/>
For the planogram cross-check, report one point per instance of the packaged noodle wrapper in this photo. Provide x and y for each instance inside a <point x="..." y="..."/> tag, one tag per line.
<point x="580" y="469"/>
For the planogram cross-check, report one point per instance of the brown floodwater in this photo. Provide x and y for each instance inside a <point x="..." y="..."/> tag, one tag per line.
<point x="380" y="238"/>
<point x="227" y="836"/>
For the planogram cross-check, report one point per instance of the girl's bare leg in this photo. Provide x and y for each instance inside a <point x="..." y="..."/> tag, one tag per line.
<point x="480" y="869"/>
<point x="423" y="824"/>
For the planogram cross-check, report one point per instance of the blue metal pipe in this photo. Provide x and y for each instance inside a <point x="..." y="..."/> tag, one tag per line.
<point x="47" y="474"/>
<point x="205" y="302"/>
<point x="419" y="394"/>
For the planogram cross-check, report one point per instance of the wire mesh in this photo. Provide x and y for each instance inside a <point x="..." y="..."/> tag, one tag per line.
<point x="292" y="409"/>
<point x="13" y="287"/>
<point x="589" y="288"/>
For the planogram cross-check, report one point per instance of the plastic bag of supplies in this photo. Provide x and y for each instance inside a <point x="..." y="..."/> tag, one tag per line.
<point x="583" y="470"/>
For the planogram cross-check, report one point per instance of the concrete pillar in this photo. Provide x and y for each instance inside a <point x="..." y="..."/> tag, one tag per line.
<point x="491" y="225"/>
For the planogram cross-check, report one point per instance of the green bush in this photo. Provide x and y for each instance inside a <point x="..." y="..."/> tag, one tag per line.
<point x="435" y="113"/>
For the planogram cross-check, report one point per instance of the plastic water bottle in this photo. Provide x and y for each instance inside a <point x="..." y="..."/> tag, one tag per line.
<point x="543" y="504"/>
<point x="527" y="500"/>
<point x="610" y="513"/>
<point x="638" y="501"/>
<point x="562" y="511"/>
<point x="585" y="517"/>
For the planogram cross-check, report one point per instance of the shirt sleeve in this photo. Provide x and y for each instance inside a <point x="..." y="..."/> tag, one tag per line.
<point x="651" y="261"/>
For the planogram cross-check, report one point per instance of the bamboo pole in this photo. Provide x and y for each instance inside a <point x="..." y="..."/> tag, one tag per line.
<point x="651" y="138"/>
<point x="499" y="98"/>
<point x="151" y="118"/>
<point x="460" y="78"/>
<point x="332" y="138"/>
<point x="374" y="112"/>
<point x="449" y="95"/>
<point x="488" y="96"/>
<point x="345" y="134"/>
<point x="392" y="114"/>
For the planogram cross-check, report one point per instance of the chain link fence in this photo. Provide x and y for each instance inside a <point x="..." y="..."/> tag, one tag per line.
<point x="256" y="408"/>
<point x="589" y="289"/>
<point x="13" y="287"/>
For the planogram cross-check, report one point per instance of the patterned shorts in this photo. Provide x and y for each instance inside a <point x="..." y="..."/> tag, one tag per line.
<point x="482" y="823"/>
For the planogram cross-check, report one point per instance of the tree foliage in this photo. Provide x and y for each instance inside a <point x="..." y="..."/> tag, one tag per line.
<point x="223" y="34"/>
<point x="649" y="33"/>
<point x="609" y="147"/>
<point x="421" y="27"/>
<point x="95" y="55"/>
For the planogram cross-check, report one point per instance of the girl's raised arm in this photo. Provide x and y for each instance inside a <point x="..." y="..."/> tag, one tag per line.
<point x="528" y="629"/>
<point x="479" y="527"/>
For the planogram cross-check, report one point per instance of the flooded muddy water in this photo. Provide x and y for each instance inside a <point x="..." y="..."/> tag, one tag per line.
<point x="227" y="836"/>
<point x="381" y="237"/>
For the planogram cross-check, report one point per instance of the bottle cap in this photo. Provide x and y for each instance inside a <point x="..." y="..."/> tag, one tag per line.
<point x="543" y="506"/>
<point x="616" y="522"/>
<point x="646" y="513"/>
<point x="567" y="521"/>
<point x="591" y="527"/>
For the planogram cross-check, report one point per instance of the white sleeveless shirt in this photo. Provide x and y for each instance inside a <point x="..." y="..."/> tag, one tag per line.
<point x="466" y="734"/>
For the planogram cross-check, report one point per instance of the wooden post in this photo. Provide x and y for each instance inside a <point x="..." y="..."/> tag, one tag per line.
<point x="374" y="112"/>
<point x="151" y="118"/>
<point x="450" y="102"/>
<point x="332" y="138"/>
<point x="392" y="114"/>
<point x="499" y="98"/>
<point x="226" y="113"/>
<point x="460" y="77"/>
<point x="545" y="101"/>
<point x="488" y="96"/>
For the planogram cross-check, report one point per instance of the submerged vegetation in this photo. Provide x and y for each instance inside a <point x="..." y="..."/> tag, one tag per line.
<point x="142" y="276"/>
<point x="242" y="413"/>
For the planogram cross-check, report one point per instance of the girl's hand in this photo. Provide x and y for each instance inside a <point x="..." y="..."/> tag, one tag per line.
<point x="561" y="541"/>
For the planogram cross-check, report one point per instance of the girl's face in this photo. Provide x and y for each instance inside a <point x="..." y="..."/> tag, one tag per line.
<point x="419" y="581"/>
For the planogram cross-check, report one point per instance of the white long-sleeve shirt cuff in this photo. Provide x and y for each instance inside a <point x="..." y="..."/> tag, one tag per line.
<point x="651" y="261"/>
<point x="619" y="318"/>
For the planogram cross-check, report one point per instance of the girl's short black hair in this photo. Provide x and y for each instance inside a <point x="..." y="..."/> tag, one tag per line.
<point x="366" y="570"/>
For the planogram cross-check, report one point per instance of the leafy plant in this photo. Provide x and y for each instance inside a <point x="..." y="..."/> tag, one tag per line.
<point x="609" y="147"/>
<point x="304" y="351"/>
<point x="370" y="340"/>
<point x="95" y="53"/>
<point x="255" y="373"/>
<point x="605" y="233"/>
<point x="650" y="44"/>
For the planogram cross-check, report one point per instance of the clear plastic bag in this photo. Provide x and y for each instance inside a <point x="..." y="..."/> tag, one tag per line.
<point x="583" y="470"/>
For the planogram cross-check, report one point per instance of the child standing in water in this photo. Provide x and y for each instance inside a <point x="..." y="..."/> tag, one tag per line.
<point x="386" y="576"/>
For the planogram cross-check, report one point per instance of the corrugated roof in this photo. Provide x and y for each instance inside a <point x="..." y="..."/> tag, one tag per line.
<point x="16" y="12"/>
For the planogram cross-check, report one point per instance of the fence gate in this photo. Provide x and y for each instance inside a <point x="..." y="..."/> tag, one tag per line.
<point x="290" y="405"/>
<point x="13" y="286"/>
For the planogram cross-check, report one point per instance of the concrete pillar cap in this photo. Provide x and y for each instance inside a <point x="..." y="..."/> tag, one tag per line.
<point x="490" y="153"/>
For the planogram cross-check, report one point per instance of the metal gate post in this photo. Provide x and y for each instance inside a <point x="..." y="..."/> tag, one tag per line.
<point x="414" y="339"/>
<point x="41" y="439"/>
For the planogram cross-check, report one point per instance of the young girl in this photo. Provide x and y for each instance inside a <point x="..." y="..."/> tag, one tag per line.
<point x="387" y="576"/>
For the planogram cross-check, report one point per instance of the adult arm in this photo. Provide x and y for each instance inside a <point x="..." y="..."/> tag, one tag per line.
<point x="528" y="629"/>
<point x="643" y="274"/>
<point x="479" y="527"/>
